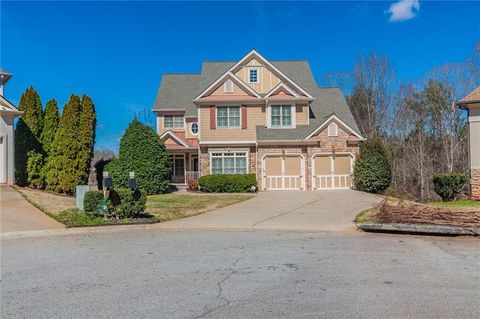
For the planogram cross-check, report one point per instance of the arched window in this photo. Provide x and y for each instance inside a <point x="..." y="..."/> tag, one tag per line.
<point x="228" y="86"/>
<point x="333" y="129"/>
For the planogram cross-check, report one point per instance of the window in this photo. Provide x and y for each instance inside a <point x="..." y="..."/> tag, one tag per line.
<point x="229" y="163"/>
<point x="333" y="129"/>
<point x="281" y="115"/>
<point x="173" y="121"/>
<point x="228" y="86"/>
<point x="194" y="128"/>
<point x="253" y="75"/>
<point x="228" y="116"/>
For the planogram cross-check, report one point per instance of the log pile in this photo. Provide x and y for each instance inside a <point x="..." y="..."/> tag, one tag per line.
<point x="415" y="213"/>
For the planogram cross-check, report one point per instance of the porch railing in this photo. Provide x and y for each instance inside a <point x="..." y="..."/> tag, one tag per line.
<point x="191" y="175"/>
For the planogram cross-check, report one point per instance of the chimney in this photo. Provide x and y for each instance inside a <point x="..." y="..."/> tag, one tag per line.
<point x="4" y="77"/>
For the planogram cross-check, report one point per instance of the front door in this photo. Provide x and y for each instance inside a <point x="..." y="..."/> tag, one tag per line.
<point x="178" y="163"/>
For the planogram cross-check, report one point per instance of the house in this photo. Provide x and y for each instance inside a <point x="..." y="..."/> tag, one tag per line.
<point x="268" y="118"/>
<point x="8" y="112"/>
<point x="471" y="103"/>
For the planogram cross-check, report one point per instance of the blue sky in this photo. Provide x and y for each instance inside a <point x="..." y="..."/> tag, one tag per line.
<point x="116" y="52"/>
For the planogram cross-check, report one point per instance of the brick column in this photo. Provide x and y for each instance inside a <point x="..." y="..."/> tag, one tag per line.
<point x="475" y="183"/>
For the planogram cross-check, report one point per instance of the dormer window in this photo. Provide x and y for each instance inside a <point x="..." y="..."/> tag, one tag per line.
<point x="172" y="121"/>
<point x="253" y="75"/>
<point x="228" y="86"/>
<point x="333" y="129"/>
<point x="281" y="115"/>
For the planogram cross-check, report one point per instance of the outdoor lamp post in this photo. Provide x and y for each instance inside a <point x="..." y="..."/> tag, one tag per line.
<point x="132" y="182"/>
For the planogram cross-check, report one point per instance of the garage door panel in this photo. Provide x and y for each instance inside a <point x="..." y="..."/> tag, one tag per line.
<point x="293" y="165"/>
<point x="342" y="165"/>
<point x="273" y="165"/>
<point x="283" y="172"/>
<point x="322" y="165"/>
<point x="340" y="177"/>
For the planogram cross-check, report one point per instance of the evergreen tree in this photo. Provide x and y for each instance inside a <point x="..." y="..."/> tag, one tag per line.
<point x="50" y="125"/>
<point x="87" y="137"/>
<point x="27" y="133"/>
<point x="64" y="162"/>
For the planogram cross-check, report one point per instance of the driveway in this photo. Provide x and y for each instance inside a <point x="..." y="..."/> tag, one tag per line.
<point x="286" y="210"/>
<point x="19" y="215"/>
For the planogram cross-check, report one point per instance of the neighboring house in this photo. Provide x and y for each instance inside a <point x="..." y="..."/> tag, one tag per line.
<point x="8" y="112"/>
<point x="257" y="116"/>
<point x="472" y="104"/>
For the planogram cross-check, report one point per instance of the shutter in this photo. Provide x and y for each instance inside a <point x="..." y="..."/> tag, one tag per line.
<point x="244" y="117"/>
<point x="213" y="120"/>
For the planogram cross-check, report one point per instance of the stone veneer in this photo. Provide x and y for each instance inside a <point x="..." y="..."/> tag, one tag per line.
<point x="475" y="183"/>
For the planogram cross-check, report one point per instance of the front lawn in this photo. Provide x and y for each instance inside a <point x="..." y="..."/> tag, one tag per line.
<point x="174" y="206"/>
<point x="457" y="203"/>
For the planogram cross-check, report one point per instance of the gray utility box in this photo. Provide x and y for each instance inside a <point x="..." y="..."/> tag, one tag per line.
<point x="80" y="192"/>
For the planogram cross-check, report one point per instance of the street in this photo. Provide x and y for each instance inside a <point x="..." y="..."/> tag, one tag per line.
<point x="240" y="274"/>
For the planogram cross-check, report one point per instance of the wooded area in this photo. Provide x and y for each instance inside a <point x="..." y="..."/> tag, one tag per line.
<point x="419" y="121"/>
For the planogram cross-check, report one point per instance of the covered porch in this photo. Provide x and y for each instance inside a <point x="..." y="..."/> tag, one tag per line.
<point x="184" y="167"/>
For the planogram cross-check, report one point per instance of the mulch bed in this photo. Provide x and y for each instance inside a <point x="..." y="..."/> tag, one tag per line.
<point x="415" y="213"/>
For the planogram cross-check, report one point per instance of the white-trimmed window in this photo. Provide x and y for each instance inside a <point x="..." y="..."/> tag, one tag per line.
<point x="333" y="129"/>
<point x="173" y="121"/>
<point x="229" y="163"/>
<point x="228" y="116"/>
<point x="228" y="86"/>
<point x="194" y="128"/>
<point x="253" y="75"/>
<point x="281" y="115"/>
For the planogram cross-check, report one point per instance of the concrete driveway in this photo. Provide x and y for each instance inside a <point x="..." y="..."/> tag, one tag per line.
<point x="19" y="215"/>
<point x="286" y="210"/>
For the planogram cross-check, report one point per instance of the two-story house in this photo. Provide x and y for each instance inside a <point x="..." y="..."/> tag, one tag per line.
<point x="257" y="116"/>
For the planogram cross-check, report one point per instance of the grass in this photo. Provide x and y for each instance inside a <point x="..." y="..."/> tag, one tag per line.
<point x="173" y="206"/>
<point x="76" y="218"/>
<point x="457" y="203"/>
<point x="367" y="216"/>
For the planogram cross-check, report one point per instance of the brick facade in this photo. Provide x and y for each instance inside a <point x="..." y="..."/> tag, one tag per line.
<point x="475" y="183"/>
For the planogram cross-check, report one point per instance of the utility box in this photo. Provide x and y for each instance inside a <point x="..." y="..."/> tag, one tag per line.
<point x="80" y="195"/>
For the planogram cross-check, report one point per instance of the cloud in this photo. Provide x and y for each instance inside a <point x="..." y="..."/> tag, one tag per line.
<point x="403" y="10"/>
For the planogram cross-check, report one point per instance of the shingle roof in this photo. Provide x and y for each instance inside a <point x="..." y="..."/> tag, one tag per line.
<point x="471" y="98"/>
<point x="178" y="91"/>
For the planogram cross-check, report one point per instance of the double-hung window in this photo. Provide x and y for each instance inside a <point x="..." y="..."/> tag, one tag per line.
<point x="229" y="163"/>
<point x="173" y="121"/>
<point x="228" y="116"/>
<point x="253" y="75"/>
<point x="281" y="115"/>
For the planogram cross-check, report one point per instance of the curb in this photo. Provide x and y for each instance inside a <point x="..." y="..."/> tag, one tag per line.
<point x="420" y="229"/>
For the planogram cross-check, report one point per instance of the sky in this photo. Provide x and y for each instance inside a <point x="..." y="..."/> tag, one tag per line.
<point x="116" y="52"/>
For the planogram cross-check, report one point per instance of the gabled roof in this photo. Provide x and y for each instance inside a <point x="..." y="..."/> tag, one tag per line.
<point x="7" y="107"/>
<point x="333" y="118"/>
<point x="279" y="88"/>
<point x="222" y="79"/>
<point x="473" y="97"/>
<point x="175" y="137"/>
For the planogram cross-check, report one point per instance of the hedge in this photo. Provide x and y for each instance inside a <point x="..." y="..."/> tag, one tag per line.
<point x="449" y="185"/>
<point x="123" y="201"/>
<point x="227" y="183"/>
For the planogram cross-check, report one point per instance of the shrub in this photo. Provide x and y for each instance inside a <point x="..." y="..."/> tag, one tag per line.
<point x="34" y="170"/>
<point x="92" y="201"/>
<point x="141" y="151"/>
<point x="373" y="171"/>
<point x="193" y="185"/>
<point x="449" y="185"/>
<point x="99" y="168"/>
<point x="227" y="183"/>
<point x="128" y="204"/>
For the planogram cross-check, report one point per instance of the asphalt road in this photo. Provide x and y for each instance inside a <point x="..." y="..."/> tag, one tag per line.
<point x="214" y="274"/>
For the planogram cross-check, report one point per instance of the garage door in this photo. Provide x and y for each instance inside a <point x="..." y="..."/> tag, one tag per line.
<point x="283" y="172"/>
<point x="332" y="171"/>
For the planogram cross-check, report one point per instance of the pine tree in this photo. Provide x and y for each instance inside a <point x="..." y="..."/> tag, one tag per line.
<point x="27" y="133"/>
<point x="86" y="135"/>
<point x="50" y="125"/>
<point x="64" y="162"/>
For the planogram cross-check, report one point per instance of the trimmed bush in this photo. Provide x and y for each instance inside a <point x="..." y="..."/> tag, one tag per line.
<point x="193" y="185"/>
<point x="373" y="170"/>
<point x="92" y="201"/>
<point x="128" y="204"/>
<point x="141" y="151"/>
<point x="227" y="183"/>
<point x="449" y="185"/>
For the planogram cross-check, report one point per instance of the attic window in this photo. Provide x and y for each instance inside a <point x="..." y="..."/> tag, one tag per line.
<point x="228" y="86"/>
<point x="253" y="75"/>
<point x="333" y="129"/>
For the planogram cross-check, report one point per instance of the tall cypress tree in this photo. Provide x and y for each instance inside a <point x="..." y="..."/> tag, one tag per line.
<point x="64" y="162"/>
<point x="50" y="125"/>
<point x="86" y="135"/>
<point x="27" y="132"/>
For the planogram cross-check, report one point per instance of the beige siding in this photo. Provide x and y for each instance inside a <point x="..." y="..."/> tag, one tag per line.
<point x="255" y="116"/>
<point x="267" y="79"/>
<point x="170" y="141"/>
<point x="236" y="90"/>
<point x="161" y="128"/>
<point x="302" y="114"/>
<point x="188" y="132"/>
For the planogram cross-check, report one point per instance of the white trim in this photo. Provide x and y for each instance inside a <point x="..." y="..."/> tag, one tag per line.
<point x="328" y="120"/>
<point x="173" y="122"/>
<point x="256" y="68"/>
<point x="226" y="142"/>
<point x="259" y="57"/>
<point x="283" y="155"/>
<point x="333" y="126"/>
<point x="226" y="89"/>
<point x="279" y="86"/>
<point x="174" y="136"/>
<point x="332" y="168"/>
<point x="12" y="108"/>
<point x="247" y="157"/>
<point x="234" y="78"/>
<point x="293" y="114"/>
<point x="228" y="113"/>
<point x="198" y="128"/>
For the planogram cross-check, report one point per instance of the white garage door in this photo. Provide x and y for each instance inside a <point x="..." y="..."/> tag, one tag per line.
<point x="332" y="171"/>
<point x="283" y="172"/>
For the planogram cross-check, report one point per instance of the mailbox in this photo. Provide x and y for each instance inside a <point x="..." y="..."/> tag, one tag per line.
<point x="107" y="182"/>
<point x="132" y="182"/>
